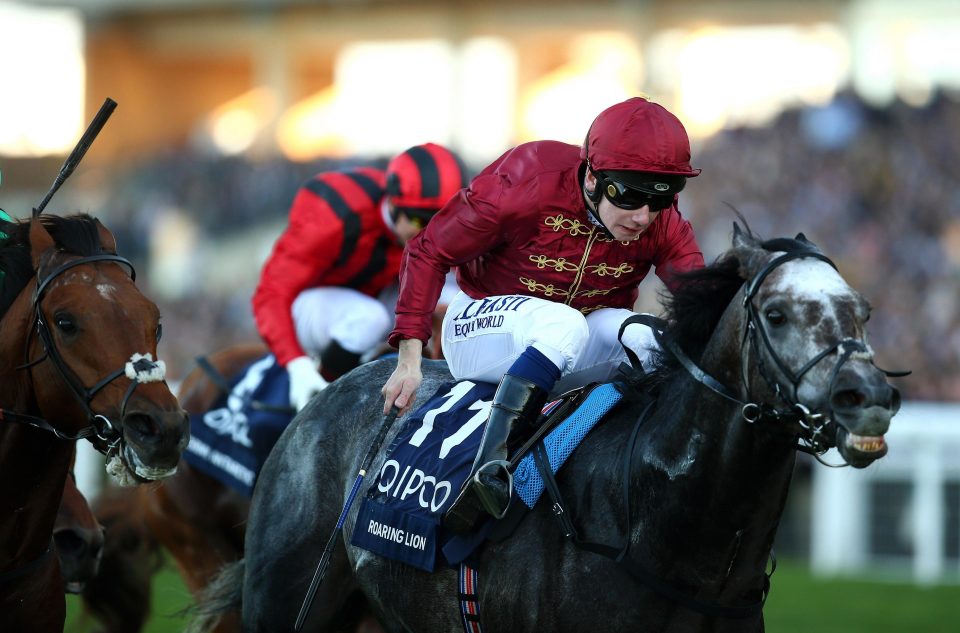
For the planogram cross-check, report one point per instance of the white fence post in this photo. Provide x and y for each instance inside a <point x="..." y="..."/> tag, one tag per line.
<point x="924" y="454"/>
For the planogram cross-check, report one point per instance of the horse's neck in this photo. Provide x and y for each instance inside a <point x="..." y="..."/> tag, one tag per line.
<point x="724" y="482"/>
<point x="33" y="464"/>
<point x="33" y="467"/>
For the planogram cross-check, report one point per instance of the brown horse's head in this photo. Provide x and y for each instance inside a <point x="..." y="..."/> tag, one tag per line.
<point x="92" y="349"/>
<point x="78" y="537"/>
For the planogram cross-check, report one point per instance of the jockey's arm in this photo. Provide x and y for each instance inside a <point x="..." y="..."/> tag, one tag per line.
<point x="401" y="387"/>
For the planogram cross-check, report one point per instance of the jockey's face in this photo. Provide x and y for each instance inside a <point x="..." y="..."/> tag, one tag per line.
<point x="624" y="224"/>
<point x="405" y="228"/>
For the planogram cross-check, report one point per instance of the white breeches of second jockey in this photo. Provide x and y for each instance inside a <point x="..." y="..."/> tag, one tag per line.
<point x="482" y="338"/>
<point x="354" y="320"/>
<point x="358" y="322"/>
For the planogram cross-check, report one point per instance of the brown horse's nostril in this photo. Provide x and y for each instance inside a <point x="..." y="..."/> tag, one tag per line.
<point x="143" y="427"/>
<point x="68" y="542"/>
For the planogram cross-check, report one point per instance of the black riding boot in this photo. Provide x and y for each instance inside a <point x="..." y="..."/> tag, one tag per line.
<point x="335" y="361"/>
<point x="516" y="406"/>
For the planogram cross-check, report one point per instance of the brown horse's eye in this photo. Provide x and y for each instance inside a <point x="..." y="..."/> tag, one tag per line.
<point x="159" y="331"/>
<point x="65" y="323"/>
<point x="775" y="317"/>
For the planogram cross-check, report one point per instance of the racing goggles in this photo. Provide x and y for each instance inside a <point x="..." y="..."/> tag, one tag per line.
<point x="417" y="217"/>
<point x="625" y="197"/>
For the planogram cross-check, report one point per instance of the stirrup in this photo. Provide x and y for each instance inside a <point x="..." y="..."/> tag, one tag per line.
<point x="474" y="499"/>
<point x="495" y="469"/>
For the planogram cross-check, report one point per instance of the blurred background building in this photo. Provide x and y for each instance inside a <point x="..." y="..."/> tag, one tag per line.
<point x="837" y="118"/>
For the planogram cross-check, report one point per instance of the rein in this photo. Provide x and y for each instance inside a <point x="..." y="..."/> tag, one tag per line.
<point x="138" y="369"/>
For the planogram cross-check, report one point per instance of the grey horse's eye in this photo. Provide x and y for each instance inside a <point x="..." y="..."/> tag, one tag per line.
<point x="65" y="323"/>
<point x="775" y="317"/>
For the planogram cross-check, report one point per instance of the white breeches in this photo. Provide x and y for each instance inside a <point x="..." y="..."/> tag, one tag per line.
<point x="482" y="338"/>
<point x="359" y="323"/>
<point x="355" y="321"/>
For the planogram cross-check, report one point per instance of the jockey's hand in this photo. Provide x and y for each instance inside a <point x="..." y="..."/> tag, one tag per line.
<point x="305" y="381"/>
<point x="401" y="387"/>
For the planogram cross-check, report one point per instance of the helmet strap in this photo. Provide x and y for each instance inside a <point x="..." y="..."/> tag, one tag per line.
<point x="593" y="201"/>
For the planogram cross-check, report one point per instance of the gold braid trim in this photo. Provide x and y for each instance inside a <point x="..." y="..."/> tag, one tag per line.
<point x="559" y="265"/>
<point x="548" y="290"/>
<point x="574" y="227"/>
<point x="602" y="269"/>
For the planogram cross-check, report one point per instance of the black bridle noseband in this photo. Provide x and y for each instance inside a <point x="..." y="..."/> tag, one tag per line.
<point x="102" y="433"/>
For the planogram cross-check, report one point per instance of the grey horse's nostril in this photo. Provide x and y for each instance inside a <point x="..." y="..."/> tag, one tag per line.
<point x="847" y="399"/>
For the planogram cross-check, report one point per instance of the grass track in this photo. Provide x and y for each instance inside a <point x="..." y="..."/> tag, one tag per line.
<point x="798" y="603"/>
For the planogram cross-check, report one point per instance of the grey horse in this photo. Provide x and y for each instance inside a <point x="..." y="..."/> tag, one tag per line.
<point x="765" y="351"/>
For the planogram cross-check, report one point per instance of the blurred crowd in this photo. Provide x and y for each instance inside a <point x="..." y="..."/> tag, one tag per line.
<point x="877" y="189"/>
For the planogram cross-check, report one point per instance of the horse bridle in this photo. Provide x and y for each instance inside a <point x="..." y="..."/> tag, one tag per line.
<point x="809" y="425"/>
<point x="103" y="434"/>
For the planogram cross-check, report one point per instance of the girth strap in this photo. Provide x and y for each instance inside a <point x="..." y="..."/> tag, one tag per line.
<point x="469" y="599"/>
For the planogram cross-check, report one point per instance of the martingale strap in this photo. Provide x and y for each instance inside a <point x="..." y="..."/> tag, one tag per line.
<point x="469" y="599"/>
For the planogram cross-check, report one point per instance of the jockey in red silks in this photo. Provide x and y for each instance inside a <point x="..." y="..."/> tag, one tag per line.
<point x="550" y="243"/>
<point x="327" y="290"/>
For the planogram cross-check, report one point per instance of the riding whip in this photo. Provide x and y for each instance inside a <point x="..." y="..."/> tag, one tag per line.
<point x="324" y="563"/>
<point x="78" y="152"/>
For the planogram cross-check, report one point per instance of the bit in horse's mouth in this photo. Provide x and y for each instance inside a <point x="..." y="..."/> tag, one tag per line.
<point x="130" y="470"/>
<point x="140" y="469"/>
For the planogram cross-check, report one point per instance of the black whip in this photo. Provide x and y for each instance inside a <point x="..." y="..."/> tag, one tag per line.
<point x="324" y="563"/>
<point x="77" y="154"/>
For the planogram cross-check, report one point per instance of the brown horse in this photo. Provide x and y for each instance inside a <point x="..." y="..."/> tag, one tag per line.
<point x="78" y="538"/>
<point x="197" y="519"/>
<point x="77" y="343"/>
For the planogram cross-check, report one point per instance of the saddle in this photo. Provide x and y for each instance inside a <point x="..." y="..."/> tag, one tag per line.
<point x="429" y="459"/>
<point x="231" y="441"/>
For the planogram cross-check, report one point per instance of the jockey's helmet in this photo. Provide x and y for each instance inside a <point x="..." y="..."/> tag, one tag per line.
<point x="421" y="179"/>
<point x="638" y="135"/>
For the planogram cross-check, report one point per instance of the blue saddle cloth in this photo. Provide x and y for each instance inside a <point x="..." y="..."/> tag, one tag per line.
<point x="231" y="441"/>
<point x="431" y="457"/>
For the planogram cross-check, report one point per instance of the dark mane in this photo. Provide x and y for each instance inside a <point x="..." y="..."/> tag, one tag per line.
<point x="76" y="234"/>
<point x="694" y="311"/>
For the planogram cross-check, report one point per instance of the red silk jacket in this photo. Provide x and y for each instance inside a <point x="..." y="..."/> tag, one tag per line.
<point x="336" y="236"/>
<point x="521" y="227"/>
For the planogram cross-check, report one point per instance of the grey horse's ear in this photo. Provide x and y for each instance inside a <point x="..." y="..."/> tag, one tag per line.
<point x="740" y="238"/>
<point x="746" y="249"/>
<point x="802" y="238"/>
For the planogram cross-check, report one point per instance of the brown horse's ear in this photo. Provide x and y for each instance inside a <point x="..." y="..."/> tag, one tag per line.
<point x="40" y="241"/>
<point x="107" y="241"/>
